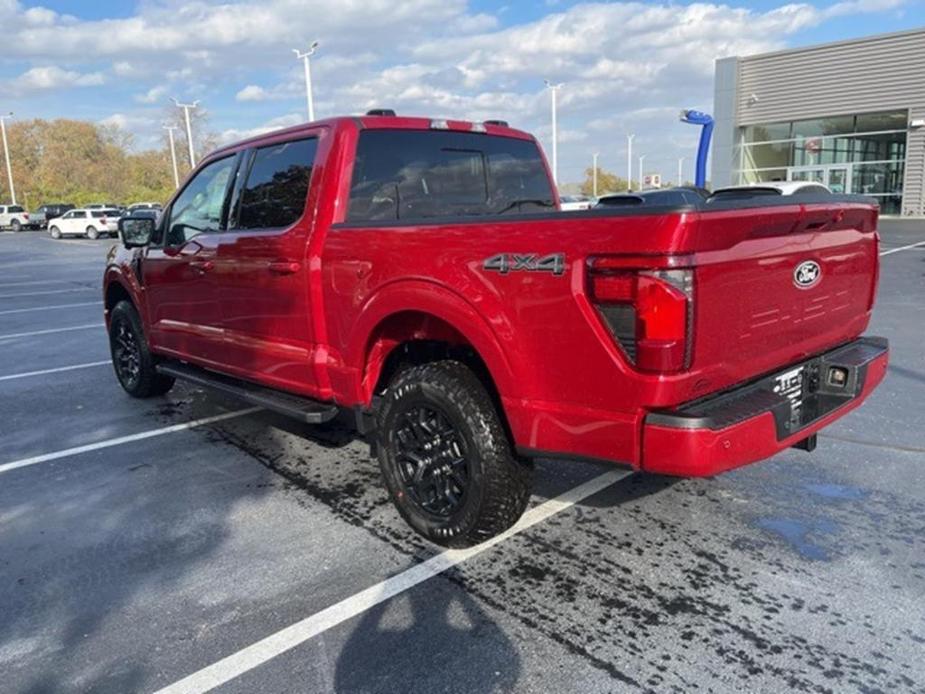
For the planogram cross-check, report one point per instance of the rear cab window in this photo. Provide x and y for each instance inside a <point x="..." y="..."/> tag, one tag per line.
<point x="421" y="174"/>
<point x="275" y="192"/>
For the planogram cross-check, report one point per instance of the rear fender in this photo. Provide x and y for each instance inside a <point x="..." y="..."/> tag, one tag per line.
<point x="419" y="310"/>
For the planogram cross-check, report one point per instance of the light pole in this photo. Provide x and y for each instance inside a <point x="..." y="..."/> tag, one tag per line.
<point x="629" y="162"/>
<point x="680" y="171"/>
<point x="189" y="129"/>
<point x="304" y="57"/>
<point x="6" y="154"/>
<point x="555" y="134"/>
<point x="642" y="158"/>
<point x="594" y="175"/>
<point x="173" y="155"/>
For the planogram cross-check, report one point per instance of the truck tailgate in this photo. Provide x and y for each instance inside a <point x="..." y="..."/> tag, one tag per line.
<point x="776" y="285"/>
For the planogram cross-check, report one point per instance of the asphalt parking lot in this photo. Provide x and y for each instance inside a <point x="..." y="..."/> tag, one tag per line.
<point x="252" y="553"/>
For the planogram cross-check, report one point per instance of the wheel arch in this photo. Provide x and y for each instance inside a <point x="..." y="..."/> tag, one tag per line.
<point x="415" y="324"/>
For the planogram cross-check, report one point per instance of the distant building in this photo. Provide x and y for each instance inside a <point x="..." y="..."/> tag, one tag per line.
<point x="849" y="114"/>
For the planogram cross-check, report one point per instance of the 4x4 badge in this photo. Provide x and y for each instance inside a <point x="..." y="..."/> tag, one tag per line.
<point x="807" y="274"/>
<point x="530" y="262"/>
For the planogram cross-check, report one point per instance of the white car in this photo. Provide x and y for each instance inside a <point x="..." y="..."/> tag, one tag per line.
<point x="570" y="203"/>
<point x="86" y="222"/>
<point x="14" y="217"/>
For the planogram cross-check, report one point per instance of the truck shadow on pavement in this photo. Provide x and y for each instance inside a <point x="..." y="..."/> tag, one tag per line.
<point x="434" y="637"/>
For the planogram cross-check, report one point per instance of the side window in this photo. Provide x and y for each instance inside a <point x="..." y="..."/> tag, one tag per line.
<point x="80" y="215"/>
<point x="277" y="185"/>
<point x="198" y="209"/>
<point x="417" y="174"/>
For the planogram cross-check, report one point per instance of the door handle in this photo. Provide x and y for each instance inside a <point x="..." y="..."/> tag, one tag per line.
<point x="284" y="267"/>
<point x="202" y="266"/>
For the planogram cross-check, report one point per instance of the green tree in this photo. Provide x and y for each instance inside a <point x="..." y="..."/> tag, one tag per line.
<point x="606" y="182"/>
<point x="81" y="162"/>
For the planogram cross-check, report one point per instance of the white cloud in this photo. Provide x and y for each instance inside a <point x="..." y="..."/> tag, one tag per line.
<point x="287" y="121"/>
<point x="153" y="95"/>
<point x="47" y="77"/>
<point x="252" y="92"/>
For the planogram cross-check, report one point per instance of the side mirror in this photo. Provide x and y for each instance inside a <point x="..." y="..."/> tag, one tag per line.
<point x="136" y="231"/>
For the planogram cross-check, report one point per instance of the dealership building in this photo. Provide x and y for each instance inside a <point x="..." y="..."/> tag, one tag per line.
<point x="849" y="114"/>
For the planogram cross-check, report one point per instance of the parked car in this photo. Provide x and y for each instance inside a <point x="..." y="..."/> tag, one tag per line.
<point x="103" y="206"/>
<point x="47" y="212"/>
<point x="774" y="188"/>
<point x="409" y="272"/>
<point x="89" y="222"/>
<point x="570" y="203"/>
<point x="682" y="195"/>
<point x="15" y="217"/>
<point x="144" y="206"/>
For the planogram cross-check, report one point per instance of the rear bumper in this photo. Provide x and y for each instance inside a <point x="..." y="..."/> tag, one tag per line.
<point x="754" y="421"/>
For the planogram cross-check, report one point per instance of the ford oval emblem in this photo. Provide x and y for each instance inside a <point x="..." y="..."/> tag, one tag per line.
<point x="807" y="274"/>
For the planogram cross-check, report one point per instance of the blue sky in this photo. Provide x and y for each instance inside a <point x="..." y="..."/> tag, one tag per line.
<point x="627" y="67"/>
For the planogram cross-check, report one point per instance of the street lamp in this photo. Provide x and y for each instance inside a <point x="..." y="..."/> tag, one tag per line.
<point x="189" y="130"/>
<point x="680" y="171"/>
<point x="641" y="159"/>
<point x="173" y="155"/>
<point x="304" y="57"/>
<point x="6" y="154"/>
<point x="629" y="162"/>
<point x="594" y="174"/>
<point x="553" y="88"/>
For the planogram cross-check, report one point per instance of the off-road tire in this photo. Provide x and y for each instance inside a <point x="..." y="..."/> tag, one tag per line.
<point x="145" y="382"/>
<point x="92" y="233"/>
<point x="498" y="484"/>
<point x="55" y="232"/>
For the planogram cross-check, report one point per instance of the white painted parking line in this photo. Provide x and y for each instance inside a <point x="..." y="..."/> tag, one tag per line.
<point x="50" y="291"/>
<point x="903" y="248"/>
<point x="109" y="443"/>
<point x="30" y="282"/>
<point x="260" y="652"/>
<point x="50" y="308"/>
<point x="51" y="330"/>
<point x="27" y="374"/>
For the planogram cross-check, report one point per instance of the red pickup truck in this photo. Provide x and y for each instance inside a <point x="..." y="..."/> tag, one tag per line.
<point x="419" y="276"/>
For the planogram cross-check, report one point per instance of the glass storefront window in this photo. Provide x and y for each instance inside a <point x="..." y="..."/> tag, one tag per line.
<point x="879" y="179"/>
<point x="862" y="154"/>
<point x="838" y="125"/>
<point x="750" y="176"/>
<point x="768" y="131"/>
<point x="871" y="122"/>
<point x="767" y="155"/>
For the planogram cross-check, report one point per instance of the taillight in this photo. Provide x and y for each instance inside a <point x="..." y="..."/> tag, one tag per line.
<point x="25" y="215"/>
<point x="649" y="313"/>
<point x="103" y="220"/>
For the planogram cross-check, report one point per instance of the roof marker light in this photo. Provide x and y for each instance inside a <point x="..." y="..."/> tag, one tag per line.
<point x="439" y="125"/>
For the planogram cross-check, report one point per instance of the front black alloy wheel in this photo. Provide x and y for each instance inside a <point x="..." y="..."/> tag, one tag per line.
<point x="432" y="459"/>
<point x="133" y="362"/>
<point x="446" y="457"/>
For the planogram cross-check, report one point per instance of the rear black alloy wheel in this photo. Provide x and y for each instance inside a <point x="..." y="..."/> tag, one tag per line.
<point x="446" y="458"/>
<point x="16" y="225"/>
<point x="132" y="361"/>
<point x="432" y="460"/>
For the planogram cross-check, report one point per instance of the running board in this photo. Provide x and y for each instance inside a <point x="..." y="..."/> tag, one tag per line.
<point x="304" y="409"/>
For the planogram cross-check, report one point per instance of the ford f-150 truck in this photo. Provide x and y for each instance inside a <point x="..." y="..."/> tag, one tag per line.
<point x="418" y="276"/>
